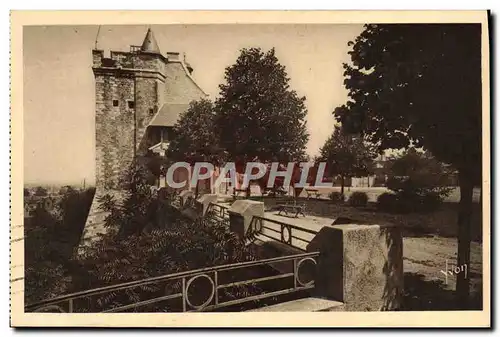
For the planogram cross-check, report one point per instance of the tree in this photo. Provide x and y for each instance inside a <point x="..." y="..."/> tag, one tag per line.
<point x="258" y="116"/>
<point x="421" y="85"/>
<point x="41" y="191"/>
<point x="347" y="156"/>
<point x="50" y="238"/>
<point x="140" y="247"/>
<point x="418" y="179"/>
<point x="195" y="136"/>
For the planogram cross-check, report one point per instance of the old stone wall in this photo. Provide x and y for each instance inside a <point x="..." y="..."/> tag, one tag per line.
<point x="115" y="132"/>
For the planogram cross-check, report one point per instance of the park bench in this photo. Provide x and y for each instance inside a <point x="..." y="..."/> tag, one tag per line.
<point x="291" y="208"/>
<point x="237" y="191"/>
<point x="312" y="192"/>
<point x="275" y="191"/>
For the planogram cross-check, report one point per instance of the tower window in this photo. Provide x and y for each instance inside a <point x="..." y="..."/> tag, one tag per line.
<point x="115" y="102"/>
<point x="131" y="104"/>
<point x="151" y="111"/>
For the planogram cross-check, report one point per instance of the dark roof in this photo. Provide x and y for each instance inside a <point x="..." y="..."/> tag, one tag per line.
<point x="150" y="45"/>
<point x="169" y="114"/>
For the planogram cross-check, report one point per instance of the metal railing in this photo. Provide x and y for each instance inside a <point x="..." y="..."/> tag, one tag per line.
<point x="212" y="276"/>
<point x="219" y="213"/>
<point x="286" y="232"/>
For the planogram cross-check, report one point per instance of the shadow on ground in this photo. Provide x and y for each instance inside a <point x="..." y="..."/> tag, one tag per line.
<point x="420" y="294"/>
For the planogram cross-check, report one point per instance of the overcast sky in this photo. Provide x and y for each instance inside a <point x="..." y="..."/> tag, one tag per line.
<point x="59" y="103"/>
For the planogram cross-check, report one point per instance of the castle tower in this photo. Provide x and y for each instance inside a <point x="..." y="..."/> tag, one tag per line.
<point x="139" y="96"/>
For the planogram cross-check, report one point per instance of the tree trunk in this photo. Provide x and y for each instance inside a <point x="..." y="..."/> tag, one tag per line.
<point x="464" y="238"/>
<point x="196" y="189"/>
<point x="342" y="183"/>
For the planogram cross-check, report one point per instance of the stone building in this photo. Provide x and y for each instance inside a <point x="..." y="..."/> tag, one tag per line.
<point x="139" y="96"/>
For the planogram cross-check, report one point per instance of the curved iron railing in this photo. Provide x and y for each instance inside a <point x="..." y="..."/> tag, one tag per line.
<point x="219" y="213"/>
<point x="285" y="232"/>
<point x="188" y="278"/>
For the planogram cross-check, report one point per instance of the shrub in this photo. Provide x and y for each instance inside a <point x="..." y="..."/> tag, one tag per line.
<point x="387" y="202"/>
<point x="415" y="175"/>
<point x="336" y="197"/>
<point x="141" y="247"/>
<point x="404" y="203"/>
<point x="358" y="199"/>
<point x="430" y="202"/>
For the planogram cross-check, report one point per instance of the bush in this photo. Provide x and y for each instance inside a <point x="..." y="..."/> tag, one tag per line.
<point x="430" y="202"/>
<point x="387" y="202"/>
<point x="358" y="199"/>
<point x="415" y="175"/>
<point x="336" y="197"/>
<point x="403" y="203"/>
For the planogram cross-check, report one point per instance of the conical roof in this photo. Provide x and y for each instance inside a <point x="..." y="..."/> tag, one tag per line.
<point x="150" y="45"/>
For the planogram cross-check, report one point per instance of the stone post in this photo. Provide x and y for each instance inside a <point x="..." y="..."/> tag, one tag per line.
<point x="360" y="265"/>
<point x="241" y="214"/>
<point x="184" y="196"/>
<point x="204" y="202"/>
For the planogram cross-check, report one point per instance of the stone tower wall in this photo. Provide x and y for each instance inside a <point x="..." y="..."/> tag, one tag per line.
<point x="134" y="81"/>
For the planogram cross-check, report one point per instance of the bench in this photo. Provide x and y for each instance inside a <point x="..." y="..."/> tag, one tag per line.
<point x="297" y="209"/>
<point x="272" y="192"/>
<point x="237" y="191"/>
<point x="312" y="192"/>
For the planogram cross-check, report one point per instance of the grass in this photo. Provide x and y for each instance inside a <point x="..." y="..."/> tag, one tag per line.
<point x="442" y="222"/>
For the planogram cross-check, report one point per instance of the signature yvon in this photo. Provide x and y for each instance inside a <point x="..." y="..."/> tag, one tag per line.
<point x="453" y="270"/>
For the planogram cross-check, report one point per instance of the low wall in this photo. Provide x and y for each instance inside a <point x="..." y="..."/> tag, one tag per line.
<point x="360" y="265"/>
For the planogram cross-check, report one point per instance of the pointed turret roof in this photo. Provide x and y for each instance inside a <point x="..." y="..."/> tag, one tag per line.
<point x="150" y="45"/>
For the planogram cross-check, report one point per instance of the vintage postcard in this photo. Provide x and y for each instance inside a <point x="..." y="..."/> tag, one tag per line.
<point x="250" y="169"/>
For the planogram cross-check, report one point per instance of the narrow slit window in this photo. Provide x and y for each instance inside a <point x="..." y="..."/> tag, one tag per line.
<point x="115" y="102"/>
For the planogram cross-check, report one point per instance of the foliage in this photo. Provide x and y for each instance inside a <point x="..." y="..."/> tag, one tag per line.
<point x="336" y="197"/>
<point x="180" y="246"/>
<point x="195" y="135"/>
<point x="41" y="191"/>
<point x="258" y="116"/>
<point x="50" y="238"/>
<point x="421" y="85"/>
<point x="347" y="156"/>
<point x="135" y="208"/>
<point x="418" y="180"/>
<point x="405" y="88"/>
<point x="388" y="202"/>
<point x="140" y="246"/>
<point x="358" y="199"/>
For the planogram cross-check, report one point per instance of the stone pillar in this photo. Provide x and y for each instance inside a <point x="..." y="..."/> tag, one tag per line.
<point x="360" y="265"/>
<point x="204" y="202"/>
<point x="241" y="214"/>
<point x="184" y="196"/>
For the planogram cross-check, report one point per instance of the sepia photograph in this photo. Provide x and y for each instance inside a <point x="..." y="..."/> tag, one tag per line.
<point x="319" y="167"/>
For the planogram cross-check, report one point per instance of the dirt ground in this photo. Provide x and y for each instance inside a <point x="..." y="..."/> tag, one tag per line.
<point x="426" y="259"/>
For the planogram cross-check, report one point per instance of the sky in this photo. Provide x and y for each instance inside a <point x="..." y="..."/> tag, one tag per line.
<point x="59" y="96"/>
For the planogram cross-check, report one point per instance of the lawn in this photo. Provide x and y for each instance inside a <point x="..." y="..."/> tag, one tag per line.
<point x="374" y="192"/>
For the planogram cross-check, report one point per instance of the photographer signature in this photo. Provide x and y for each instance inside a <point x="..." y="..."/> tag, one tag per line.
<point x="454" y="270"/>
